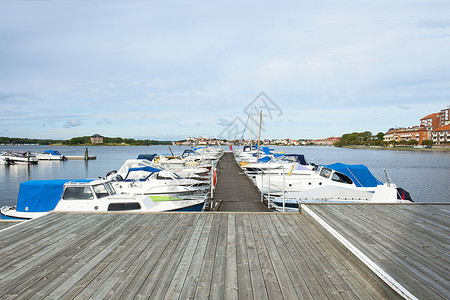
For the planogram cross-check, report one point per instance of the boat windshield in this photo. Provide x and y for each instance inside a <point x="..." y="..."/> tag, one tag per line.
<point x="78" y="193"/>
<point x="100" y="190"/>
<point x="110" y="188"/>
<point x="341" y="178"/>
<point x="325" y="172"/>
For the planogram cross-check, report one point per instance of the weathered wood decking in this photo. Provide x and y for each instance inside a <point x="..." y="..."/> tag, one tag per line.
<point x="234" y="189"/>
<point x="177" y="256"/>
<point x="410" y="243"/>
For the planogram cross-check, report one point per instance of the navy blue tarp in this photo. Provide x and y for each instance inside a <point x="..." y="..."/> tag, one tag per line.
<point x="40" y="195"/>
<point x="149" y="157"/>
<point x="360" y="174"/>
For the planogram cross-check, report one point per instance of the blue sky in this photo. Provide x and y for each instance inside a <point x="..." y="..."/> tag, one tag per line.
<point x="172" y="69"/>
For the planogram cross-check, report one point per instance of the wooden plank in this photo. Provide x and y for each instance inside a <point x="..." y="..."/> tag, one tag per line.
<point x="148" y="270"/>
<point x="317" y="263"/>
<point x="177" y="282"/>
<point x="243" y="269"/>
<point x="120" y="259"/>
<point x="391" y="247"/>
<point x="255" y="269"/>
<point x="231" y="279"/>
<point x="173" y="259"/>
<point x="204" y="281"/>
<point x="218" y="276"/>
<point x="271" y="282"/>
<point x="135" y="268"/>
<point x="24" y="275"/>
<point x="193" y="275"/>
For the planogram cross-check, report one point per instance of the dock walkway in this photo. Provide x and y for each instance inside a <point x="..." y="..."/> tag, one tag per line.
<point x="176" y="256"/>
<point x="234" y="189"/>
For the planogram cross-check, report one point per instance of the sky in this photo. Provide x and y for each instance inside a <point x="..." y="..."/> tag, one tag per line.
<point x="167" y="70"/>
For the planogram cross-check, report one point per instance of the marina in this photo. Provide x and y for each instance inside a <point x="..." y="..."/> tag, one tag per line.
<point x="240" y="249"/>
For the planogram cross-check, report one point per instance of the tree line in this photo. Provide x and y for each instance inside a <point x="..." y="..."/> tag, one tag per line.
<point x="83" y="140"/>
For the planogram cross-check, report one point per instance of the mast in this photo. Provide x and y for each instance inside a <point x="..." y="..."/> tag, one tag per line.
<point x="251" y="128"/>
<point x="259" y="136"/>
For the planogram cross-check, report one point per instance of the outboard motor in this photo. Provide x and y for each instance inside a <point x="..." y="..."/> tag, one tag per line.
<point x="403" y="195"/>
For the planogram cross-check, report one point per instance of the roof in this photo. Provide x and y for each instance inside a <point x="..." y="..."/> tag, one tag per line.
<point x="443" y="128"/>
<point x="430" y="116"/>
<point x="97" y="136"/>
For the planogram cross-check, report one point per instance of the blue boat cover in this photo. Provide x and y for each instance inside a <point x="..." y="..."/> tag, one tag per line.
<point x="360" y="174"/>
<point x="150" y="157"/>
<point x="145" y="169"/>
<point x="40" y="195"/>
<point x="264" y="159"/>
<point x="299" y="157"/>
<point x="52" y="152"/>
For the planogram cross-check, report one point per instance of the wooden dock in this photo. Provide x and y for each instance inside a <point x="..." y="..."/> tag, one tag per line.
<point x="234" y="190"/>
<point x="230" y="255"/>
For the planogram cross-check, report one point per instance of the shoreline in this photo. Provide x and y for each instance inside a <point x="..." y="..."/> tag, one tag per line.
<point x="443" y="149"/>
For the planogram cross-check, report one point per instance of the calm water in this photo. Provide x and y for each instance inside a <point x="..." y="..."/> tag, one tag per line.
<point x="426" y="175"/>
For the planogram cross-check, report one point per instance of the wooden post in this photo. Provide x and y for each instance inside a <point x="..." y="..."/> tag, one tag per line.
<point x="86" y="154"/>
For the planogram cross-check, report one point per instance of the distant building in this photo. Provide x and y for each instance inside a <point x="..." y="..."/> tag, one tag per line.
<point x="431" y="121"/>
<point x="97" y="139"/>
<point x="441" y="135"/>
<point x="413" y="133"/>
<point x="445" y="118"/>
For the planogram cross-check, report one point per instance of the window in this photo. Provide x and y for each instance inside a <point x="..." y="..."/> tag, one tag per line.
<point x="325" y="172"/>
<point x="100" y="191"/>
<point x="124" y="206"/>
<point x="78" y="193"/>
<point x="341" y="178"/>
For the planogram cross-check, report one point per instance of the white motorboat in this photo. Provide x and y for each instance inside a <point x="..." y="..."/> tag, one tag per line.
<point x="20" y="157"/>
<point x="5" y="161"/>
<point x="289" y="162"/>
<point x="38" y="197"/>
<point x="334" y="183"/>
<point x="50" y="155"/>
<point x="141" y="177"/>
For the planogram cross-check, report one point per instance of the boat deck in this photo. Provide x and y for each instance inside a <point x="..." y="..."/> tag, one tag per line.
<point x="234" y="189"/>
<point x="231" y="255"/>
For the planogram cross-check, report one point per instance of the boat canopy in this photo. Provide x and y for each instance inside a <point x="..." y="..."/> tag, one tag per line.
<point x="140" y="173"/>
<point x="40" y="195"/>
<point x="52" y="152"/>
<point x="360" y="174"/>
<point x="300" y="158"/>
<point x="149" y="157"/>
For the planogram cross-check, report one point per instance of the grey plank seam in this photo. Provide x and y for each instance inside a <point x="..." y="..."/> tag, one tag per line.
<point x="173" y="260"/>
<point x="318" y="264"/>
<point x="98" y="287"/>
<point x="146" y="268"/>
<point x="272" y="286"/>
<point x="374" y="267"/>
<point x="256" y="274"/>
<point x="204" y="284"/>
<point x="408" y="260"/>
<point x="231" y="280"/>
<point x="176" y="286"/>
<point x="193" y="275"/>
<point x="243" y="267"/>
